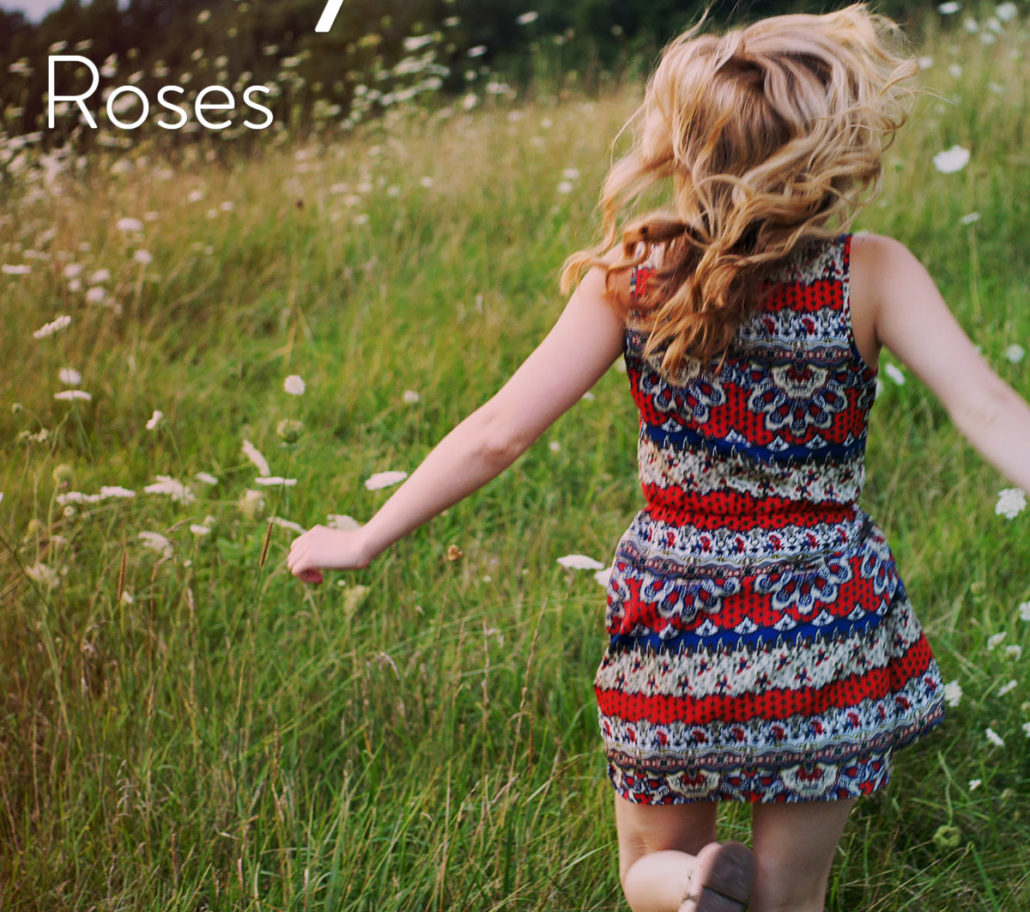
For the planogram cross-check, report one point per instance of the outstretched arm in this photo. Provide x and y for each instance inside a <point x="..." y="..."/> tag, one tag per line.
<point x="579" y="348"/>
<point x="914" y="322"/>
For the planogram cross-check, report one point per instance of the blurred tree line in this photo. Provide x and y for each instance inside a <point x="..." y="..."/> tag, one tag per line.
<point x="376" y="52"/>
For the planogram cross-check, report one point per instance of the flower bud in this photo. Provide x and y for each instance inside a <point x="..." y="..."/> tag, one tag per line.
<point x="251" y="505"/>
<point x="289" y="430"/>
<point x="63" y="475"/>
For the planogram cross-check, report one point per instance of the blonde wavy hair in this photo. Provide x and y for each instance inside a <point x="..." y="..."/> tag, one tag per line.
<point x="772" y="135"/>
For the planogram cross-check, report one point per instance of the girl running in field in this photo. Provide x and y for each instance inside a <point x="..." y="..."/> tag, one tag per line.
<point x="761" y="644"/>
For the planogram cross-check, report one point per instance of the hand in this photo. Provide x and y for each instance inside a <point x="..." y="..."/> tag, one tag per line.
<point x="322" y="548"/>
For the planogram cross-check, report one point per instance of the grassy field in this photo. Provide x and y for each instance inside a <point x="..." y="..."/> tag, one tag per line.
<point x="185" y="727"/>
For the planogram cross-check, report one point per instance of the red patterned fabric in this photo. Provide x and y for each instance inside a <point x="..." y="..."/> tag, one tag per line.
<point x="762" y="646"/>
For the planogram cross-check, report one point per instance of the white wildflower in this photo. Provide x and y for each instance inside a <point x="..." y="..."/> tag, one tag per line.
<point x="43" y="576"/>
<point x="254" y="455"/>
<point x="73" y="395"/>
<point x="100" y="276"/>
<point x="969" y="218"/>
<point x="1006" y="12"/>
<point x="70" y="497"/>
<point x="200" y="530"/>
<point x="953" y="693"/>
<point x="1015" y="353"/>
<point x="554" y="446"/>
<point x="1011" y="502"/>
<point x="1024" y="611"/>
<point x="15" y="269"/>
<point x="108" y="491"/>
<point x="143" y="257"/>
<point x="273" y="480"/>
<point x="416" y="42"/>
<point x="343" y="522"/>
<point x="604" y="576"/>
<point x="287" y="524"/>
<point x="948" y="9"/>
<point x="410" y="397"/>
<point x="175" y="489"/>
<point x="895" y="373"/>
<point x="565" y="187"/>
<point x="155" y="541"/>
<point x="129" y="224"/>
<point x="1007" y="688"/>
<point x="580" y="562"/>
<point x="384" y="480"/>
<point x="155" y="419"/>
<point x="478" y="51"/>
<point x="61" y="322"/>
<point x="527" y="18"/>
<point x="96" y="294"/>
<point x="974" y="784"/>
<point x="995" y="640"/>
<point x="73" y="270"/>
<point x="427" y="182"/>
<point x="206" y="477"/>
<point x="294" y="385"/>
<point x="994" y="737"/>
<point x="69" y="376"/>
<point x="951" y="160"/>
<point x="571" y="174"/>
<point x="1026" y="729"/>
<point x="1015" y="651"/>
<point x="925" y="63"/>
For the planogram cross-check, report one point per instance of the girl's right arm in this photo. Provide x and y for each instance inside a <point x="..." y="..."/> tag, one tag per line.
<point x="913" y="321"/>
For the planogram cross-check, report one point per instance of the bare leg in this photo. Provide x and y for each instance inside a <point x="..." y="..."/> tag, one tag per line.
<point x="794" y="845"/>
<point x="657" y="849"/>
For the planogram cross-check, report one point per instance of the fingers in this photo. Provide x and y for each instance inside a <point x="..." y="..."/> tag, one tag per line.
<point x="299" y="563"/>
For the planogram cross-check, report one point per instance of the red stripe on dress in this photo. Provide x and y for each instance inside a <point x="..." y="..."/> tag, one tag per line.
<point x="772" y="705"/>
<point x="738" y="511"/>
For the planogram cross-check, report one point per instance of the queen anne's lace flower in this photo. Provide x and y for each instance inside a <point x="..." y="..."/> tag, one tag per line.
<point x="1011" y="502"/>
<point x="951" y="160"/>
<point x="580" y="562"/>
<point x="384" y="480"/>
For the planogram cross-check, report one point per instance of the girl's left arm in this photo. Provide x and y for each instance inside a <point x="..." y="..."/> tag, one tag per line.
<point x="581" y="346"/>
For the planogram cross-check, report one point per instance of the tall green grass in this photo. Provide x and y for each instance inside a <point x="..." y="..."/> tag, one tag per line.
<point x="199" y="731"/>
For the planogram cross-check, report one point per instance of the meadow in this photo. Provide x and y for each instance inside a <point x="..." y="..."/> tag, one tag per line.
<point x="184" y="726"/>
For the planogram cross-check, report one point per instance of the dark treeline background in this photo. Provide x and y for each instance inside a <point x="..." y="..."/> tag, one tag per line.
<point x="374" y="43"/>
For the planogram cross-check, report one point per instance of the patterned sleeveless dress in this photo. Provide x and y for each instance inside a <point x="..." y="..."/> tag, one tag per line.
<point x="762" y="647"/>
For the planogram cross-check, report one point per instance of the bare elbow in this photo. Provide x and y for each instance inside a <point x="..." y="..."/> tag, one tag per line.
<point x="975" y="414"/>
<point x="499" y="444"/>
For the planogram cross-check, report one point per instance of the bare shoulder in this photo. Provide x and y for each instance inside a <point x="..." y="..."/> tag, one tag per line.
<point x="617" y="282"/>
<point x="876" y="255"/>
<point x="882" y="268"/>
<point x="869" y="256"/>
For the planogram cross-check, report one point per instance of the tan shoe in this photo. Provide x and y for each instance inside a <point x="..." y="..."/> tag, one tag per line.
<point x="722" y="879"/>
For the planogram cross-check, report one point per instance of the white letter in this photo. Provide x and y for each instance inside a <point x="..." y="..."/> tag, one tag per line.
<point x="257" y="107"/>
<point x="172" y="107"/>
<point x="214" y="106"/>
<point x="110" y="107"/>
<point x="76" y="98"/>
<point x="328" y="17"/>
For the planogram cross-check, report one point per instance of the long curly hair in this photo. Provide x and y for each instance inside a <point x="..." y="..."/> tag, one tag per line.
<point x="772" y="136"/>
